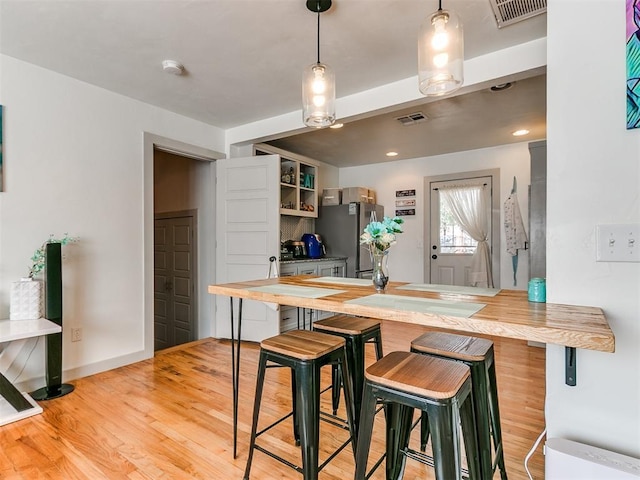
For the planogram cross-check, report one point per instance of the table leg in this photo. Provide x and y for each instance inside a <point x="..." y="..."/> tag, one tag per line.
<point x="235" y="371"/>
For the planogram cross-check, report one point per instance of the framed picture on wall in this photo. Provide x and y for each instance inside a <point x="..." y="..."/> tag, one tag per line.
<point x="406" y="203"/>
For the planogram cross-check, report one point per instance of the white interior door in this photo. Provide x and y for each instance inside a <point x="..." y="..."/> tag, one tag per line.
<point x="451" y="247"/>
<point x="248" y="233"/>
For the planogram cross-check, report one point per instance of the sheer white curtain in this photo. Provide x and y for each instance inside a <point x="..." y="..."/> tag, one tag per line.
<point x="468" y="204"/>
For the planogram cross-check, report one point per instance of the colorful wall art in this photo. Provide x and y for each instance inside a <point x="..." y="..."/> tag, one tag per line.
<point x="633" y="64"/>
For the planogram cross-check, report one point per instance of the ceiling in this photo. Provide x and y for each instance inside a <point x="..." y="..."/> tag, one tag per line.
<point x="243" y="62"/>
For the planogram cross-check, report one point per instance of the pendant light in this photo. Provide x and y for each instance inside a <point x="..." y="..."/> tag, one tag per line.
<point x="440" y="53"/>
<point x="318" y="83"/>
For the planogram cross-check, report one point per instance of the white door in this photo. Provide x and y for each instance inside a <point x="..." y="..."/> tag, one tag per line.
<point x="248" y="233"/>
<point x="451" y="247"/>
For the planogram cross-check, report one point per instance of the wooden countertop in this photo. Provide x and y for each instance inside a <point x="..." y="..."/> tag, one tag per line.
<point x="507" y="314"/>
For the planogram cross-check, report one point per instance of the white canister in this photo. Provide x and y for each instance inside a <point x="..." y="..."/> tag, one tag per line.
<point x="26" y="300"/>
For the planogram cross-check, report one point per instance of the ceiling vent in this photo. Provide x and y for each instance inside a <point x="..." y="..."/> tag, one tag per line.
<point x="508" y="12"/>
<point x="412" y="119"/>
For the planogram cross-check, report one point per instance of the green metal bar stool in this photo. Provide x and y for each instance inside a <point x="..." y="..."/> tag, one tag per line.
<point x="478" y="354"/>
<point x="305" y="352"/>
<point x="442" y="388"/>
<point x="357" y="332"/>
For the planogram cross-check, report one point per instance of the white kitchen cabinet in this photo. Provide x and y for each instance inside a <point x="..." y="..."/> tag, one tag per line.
<point x="332" y="269"/>
<point x="298" y="182"/>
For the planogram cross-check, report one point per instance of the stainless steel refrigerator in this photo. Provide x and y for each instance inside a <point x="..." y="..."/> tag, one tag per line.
<point x="340" y="227"/>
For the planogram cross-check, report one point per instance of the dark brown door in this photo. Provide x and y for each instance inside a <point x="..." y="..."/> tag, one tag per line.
<point x="174" y="282"/>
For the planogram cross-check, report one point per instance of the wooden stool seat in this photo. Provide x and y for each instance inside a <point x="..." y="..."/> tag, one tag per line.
<point x="404" y="381"/>
<point x="347" y="324"/>
<point x="477" y="354"/>
<point x="418" y="374"/>
<point x="303" y="344"/>
<point x="459" y="347"/>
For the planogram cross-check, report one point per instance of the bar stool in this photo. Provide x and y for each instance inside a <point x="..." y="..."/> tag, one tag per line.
<point x="442" y="388"/>
<point x="305" y="352"/>
<point x="357" y="332"/>
<point x="478" y="354"/>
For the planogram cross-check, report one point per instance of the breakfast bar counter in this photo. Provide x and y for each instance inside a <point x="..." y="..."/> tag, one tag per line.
<point x="503" y="313"/>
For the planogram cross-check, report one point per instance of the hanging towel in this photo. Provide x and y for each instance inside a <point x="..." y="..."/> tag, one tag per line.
<point x="514" y="229"/>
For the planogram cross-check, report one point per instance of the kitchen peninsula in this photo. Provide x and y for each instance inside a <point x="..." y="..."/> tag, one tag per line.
<point x="501" y="313"/>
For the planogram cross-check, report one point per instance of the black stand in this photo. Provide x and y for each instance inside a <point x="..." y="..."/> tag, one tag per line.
<point x="53" y="312"/>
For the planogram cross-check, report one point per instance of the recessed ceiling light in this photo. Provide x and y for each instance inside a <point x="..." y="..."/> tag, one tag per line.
<point x="171" y="66"/>
<point x="519" y="133"/>
<point x="501" y="86"/>
<point x="392" y="154"/>
<point x="337" y="125"/>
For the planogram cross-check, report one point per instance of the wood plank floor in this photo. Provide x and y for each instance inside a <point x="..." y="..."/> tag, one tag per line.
<point x="171" y="417"/>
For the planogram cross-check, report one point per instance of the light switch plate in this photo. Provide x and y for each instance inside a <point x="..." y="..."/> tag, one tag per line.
<point x="618" y="243"/>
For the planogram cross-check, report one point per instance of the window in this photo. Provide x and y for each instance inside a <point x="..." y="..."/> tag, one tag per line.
<point x="453" y="239"/>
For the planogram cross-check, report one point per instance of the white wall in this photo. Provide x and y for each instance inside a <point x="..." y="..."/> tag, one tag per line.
<point x="593" y="178"/>
<point x="407" y="262"/>
<point x="73" y="159"/>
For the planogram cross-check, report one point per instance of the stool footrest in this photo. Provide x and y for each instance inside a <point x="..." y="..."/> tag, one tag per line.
<point x="334" y="420"/>
<point x="269" y="427"/>
<point x="289" y="464"/>
<point x="426" y="459"/>
<point x="338" y="450"/>
<point x="498" y="455"/>
<point x="279" y="458"/>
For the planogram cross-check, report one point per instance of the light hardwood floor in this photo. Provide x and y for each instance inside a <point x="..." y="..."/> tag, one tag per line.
<point x="171" y="417"/>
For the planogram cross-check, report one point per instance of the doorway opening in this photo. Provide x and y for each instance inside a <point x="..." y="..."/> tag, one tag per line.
<point x="449" y="243"/>
<point x="179" y="179"/>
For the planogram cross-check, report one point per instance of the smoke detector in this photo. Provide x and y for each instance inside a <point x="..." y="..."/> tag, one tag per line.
<point x="171" y="66"/>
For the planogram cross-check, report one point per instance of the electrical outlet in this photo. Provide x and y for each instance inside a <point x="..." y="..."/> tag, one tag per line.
<point x="618" y="243"/>
<point x="76" y="334"/>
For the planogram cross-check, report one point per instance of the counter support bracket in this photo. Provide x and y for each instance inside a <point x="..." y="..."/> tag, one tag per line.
<point x="570" y="359"/>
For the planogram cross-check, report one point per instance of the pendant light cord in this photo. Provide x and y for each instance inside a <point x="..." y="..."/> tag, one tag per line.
<point x="318" y="31"/>
<point x="439" y="5"/>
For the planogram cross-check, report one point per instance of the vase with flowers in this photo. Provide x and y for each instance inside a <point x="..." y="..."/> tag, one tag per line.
<point x="26" y="299"/>
<point x="378" y="237"/>
<point x="38" y="258"/>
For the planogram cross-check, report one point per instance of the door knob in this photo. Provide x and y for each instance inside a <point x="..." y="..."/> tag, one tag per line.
<point x="434" y="256"/>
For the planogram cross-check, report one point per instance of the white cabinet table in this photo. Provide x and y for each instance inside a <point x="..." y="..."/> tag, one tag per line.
<point x="13" y="404"/>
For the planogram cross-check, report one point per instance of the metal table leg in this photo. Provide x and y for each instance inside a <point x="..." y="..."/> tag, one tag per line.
<point x="235" y="371"/>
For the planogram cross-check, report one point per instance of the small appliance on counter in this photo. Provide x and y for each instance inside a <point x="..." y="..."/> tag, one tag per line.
<point x="285" y="254"/>
<point x="296" y="249"/>
<point x="313" y="242"/>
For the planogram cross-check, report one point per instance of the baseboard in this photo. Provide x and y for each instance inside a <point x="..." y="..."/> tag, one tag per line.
<point x="71" y="374"/>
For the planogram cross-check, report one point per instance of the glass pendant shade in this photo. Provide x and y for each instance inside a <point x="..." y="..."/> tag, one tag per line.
<point x="318" y="96"/>
<point x="440" y="54"/>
